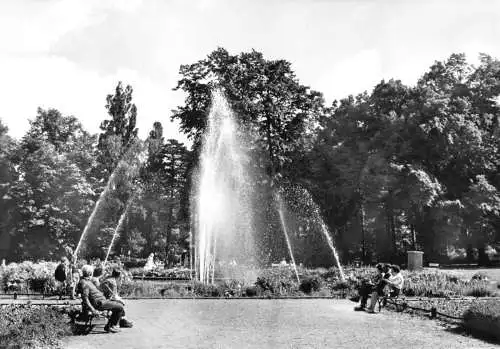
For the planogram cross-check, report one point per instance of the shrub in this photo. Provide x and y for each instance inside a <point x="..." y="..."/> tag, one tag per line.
<point x="135" y="263"/>
<point x="310" y="284"/>
<point x="207" y="290"/>
<point x="278" y="281"/>
<point x="141" y="288"/>
<point x="251" y="291"/>
<point x="28" y="326"/>
<point x="483" y="317"/>
<point x="26" y="276"/>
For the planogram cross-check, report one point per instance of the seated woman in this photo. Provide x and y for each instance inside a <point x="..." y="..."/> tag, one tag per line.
<point x="394" y="283"/>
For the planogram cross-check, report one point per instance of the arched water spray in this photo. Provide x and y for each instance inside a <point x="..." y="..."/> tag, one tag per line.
<point x="119" y="227"/>
<point x="98" y="204"/>
<point x="304" y="205"/>
<point x="285" y="231"/>
<point x="223" y="219"/>
<point x="134" y="157"/>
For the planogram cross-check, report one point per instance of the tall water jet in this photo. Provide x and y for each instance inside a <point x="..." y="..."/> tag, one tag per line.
<point x="223" y="216"/>
<point x="285" y="231"/>
<point x="104" y="193"/>
<point x="118" y="228"/>
<point x="316" y="215"/>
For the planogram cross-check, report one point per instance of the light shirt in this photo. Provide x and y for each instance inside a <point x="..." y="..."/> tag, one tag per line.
<point x="397" y="281"/>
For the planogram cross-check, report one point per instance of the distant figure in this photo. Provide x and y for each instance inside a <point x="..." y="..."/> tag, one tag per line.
<point x="75" y="278"/>
<point x="150" y="264"/>
<point x="62" y="274"/>
<point x="3" y="263"/>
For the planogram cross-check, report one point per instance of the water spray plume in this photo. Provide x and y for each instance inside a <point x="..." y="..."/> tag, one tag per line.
<point x="222" y="213"/>
<point x="285" y="231"/>
<point x="94" y="211"/>
<point x="305" y="195"/>
<point x="119" y="227"/>
<point x="140" y="156"/>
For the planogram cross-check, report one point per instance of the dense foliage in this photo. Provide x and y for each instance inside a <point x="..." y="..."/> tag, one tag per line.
<point x="484" y="318"/>
<point x="394" y="169"/>
<point x="26" y="326"/>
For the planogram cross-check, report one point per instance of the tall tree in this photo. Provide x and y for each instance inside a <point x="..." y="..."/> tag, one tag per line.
<point x="119" y="133"/>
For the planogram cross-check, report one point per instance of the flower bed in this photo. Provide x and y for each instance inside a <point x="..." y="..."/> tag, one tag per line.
<point x="278" y="281"/>
<point x="25" y="326"/>
<point x="28" y="276"/>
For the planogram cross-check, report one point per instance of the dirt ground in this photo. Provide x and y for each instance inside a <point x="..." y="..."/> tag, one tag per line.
<point x="302" y="323"/>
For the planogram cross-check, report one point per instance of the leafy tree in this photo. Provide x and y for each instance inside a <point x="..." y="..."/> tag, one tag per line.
<point x="8" y="177"/>
<point x="265" y="95"/>
<point x="119" y="133"/>
<point x="276" y="112"/>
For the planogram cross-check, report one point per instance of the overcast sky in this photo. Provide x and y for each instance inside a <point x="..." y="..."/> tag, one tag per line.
<point x="69" y="55"/>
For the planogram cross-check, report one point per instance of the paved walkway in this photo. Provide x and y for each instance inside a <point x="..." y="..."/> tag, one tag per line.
<point x="240" y="324"/>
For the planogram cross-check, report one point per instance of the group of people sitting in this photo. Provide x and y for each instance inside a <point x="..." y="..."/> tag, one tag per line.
<point x="387" y="282"/>
<point x="99" y="292"/>
<point x="100" y="296"/>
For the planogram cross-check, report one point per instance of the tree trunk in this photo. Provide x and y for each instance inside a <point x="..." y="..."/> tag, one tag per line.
<point x="413" y="236"/>
<point x="363" y="233"/>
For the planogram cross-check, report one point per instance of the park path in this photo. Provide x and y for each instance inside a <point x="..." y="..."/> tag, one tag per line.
<point x="251" y="323"/>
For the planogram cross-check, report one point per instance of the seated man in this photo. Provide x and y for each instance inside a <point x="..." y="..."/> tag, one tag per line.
<point x="394" y="282"/>
<point x="110" y="289"/>
<point x="367" y="287"/>
<point x="93" y="300"/>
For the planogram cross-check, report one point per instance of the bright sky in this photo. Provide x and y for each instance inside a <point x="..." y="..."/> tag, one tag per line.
<point x="69" y="54"/>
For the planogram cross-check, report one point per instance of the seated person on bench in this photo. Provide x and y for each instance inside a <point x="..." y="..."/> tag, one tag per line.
<point x="110" y="289"/>
<point x="110" y="286"/>
<point x="394" y="282"/>
<point x="94" y="301"/>
<point x="367" y="287"/>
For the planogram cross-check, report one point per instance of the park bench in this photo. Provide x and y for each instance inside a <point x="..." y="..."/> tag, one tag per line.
<point x="398" y="301"/>
<point x="84" y="319"/>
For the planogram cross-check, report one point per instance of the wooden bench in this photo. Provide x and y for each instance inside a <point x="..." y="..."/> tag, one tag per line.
<point x="84" y="319"/>
<point x="398" y="301"/>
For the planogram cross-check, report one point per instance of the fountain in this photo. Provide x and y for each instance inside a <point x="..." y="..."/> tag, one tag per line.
<point x="223" y="219"/>
<point x="222" y="202"/>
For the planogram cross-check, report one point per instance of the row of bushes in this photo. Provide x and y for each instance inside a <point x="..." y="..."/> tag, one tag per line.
<point x="275" y="281"/>
<point x="282" y="282"/>
<point x="38" y="277"/>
